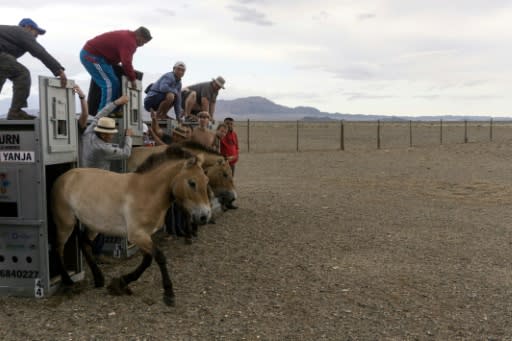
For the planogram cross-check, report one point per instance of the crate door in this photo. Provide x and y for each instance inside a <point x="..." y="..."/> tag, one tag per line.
<point x="58" y="120"/>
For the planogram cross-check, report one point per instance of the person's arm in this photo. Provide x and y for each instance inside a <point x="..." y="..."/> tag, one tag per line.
<point x="112" y="152"/>
<point x="82" y="120"/>
<point x="107" y="109"/>
<point x="126" y="56"/>
<point x="235" y="141"/>
<point x="156" y="138"/>
<point x="177" y="104"/>
<point x="211" y="111"/>
<point x="30" y="44"/>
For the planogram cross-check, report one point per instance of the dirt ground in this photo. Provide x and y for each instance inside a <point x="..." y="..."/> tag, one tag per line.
<point x="391" y="244"/>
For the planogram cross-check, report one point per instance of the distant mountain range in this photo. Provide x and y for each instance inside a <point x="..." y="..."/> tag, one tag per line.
<point x="261" y="109"/>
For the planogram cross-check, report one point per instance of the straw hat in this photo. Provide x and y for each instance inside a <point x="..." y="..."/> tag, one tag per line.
<point x="106" y="125"/>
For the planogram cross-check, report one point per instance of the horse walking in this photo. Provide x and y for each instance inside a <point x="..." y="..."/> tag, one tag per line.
<point x="131" y="205"/>
<point x="216" y="168"/>
<point x="215" y="165"/>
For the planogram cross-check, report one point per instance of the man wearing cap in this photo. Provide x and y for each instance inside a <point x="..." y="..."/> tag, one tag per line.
<point x="97" y="148"/>
<point x="14" y="42"/>
<point x="102" y="52"/>
<point x="166" y="92"/>
<point x="201" y="97"/>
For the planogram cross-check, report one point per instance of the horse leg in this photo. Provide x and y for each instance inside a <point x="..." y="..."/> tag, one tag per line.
<point x="166" y="278"/>
<point x="64" y="224"/>
<point x="119" y="285"/>
<point x="64" y="276"/>
<point x="86" y="247"/>
<point x="194" y="229"/>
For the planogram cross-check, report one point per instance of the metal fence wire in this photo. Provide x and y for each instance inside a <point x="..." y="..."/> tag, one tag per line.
<point x="287" y="136"/>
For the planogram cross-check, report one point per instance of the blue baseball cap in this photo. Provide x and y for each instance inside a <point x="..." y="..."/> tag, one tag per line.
<point x="29" y="22"/>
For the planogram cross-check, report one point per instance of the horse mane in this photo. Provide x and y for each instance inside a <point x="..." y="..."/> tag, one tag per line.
<point x="172" y="152"/>
<point x="198" y="146"/>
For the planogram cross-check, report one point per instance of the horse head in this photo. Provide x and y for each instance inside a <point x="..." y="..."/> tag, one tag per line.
<point x="221" y="180"/>
<point x="190" y="190"/>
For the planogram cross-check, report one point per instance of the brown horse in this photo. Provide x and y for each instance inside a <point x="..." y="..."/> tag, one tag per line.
<point x="131" y="205"/>
<point x="215" y="165"/>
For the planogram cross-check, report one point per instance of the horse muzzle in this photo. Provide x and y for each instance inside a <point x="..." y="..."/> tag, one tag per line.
<point x="226" y="197"/>
<point x="200" y="215"/>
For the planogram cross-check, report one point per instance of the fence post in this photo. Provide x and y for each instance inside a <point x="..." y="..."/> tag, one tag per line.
<point x="410" y="133"/>
<point x="465" y="131"/>
<point x="441" y="131"/>
<point x="248" y="136"/>
<point x="378" y="134"/>
<point x="297" y="135"/>
<point x="342" y="136"/>
<point x="490" y="130"/>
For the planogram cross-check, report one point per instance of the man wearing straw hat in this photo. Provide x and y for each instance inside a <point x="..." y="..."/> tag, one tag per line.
<point x="97" y="148"/>
<point x="201" y="97"/>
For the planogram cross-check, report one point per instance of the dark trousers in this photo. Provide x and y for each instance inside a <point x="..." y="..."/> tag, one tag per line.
<point x="175" y="220"/>
<point x="20" y="78"/>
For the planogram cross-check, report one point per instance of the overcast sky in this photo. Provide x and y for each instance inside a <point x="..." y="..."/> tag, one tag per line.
<point x="392" y="57"/>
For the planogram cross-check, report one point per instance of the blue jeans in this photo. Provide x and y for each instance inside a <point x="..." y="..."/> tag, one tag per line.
<point x="103" y="75"/>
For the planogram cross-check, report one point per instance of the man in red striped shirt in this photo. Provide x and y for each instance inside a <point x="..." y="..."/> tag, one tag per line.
<point x="112" y="48"/>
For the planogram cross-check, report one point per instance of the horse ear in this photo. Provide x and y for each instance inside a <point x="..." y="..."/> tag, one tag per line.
<point x="195" y="160"/>
<point x="220" y="161"/>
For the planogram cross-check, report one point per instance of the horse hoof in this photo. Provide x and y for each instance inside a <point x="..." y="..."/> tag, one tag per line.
<point x="169" y="301"/>
<point x="117" y="287"/>
<point x="188" y="241"/>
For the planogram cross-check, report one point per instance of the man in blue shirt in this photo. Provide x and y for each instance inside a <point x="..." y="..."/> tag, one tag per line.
<point x="166" y="92"/>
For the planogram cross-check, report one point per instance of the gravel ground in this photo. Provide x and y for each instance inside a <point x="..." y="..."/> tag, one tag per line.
<point x="399" y="244"/>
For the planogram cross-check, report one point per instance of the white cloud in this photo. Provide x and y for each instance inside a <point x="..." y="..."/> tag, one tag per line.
<point x="364" y="56"/>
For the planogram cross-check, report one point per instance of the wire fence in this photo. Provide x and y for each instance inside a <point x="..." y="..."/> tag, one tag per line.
<point x="286" y="136"/>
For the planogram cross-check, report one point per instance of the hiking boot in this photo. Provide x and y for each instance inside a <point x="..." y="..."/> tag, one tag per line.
<point x="18" y="114"/>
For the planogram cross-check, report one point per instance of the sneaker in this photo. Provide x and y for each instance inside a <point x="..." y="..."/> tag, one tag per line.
<point x="18" y="114"/>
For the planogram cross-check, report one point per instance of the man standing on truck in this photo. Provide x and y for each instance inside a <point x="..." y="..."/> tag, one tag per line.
<point x="14" y="42"/>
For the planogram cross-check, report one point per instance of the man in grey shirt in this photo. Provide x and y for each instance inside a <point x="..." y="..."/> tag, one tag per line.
<point x="97" y="148"/>
<point x="201" y="97"/>
<point x="14" y="42"/>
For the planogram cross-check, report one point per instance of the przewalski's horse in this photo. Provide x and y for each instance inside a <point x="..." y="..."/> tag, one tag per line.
<point x="215" y="165"/>
<point x="131" y="205"/>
